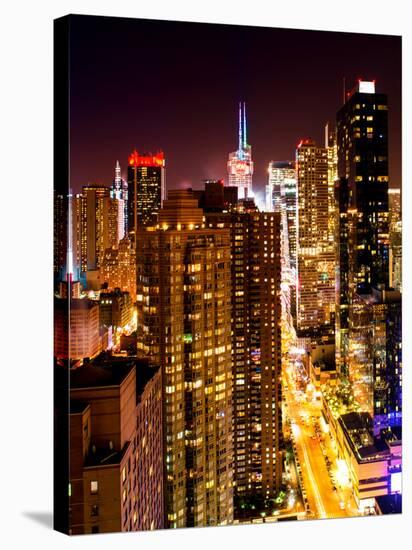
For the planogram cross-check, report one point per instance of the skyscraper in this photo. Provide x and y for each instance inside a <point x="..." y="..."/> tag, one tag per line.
<point x="99" y="226"/>
<point x="59" y="234"/>
<point x="362" y="218"/>
<point x="146" y="183"/>
<point x="281" y="197"/>
<point x="119" y="192"/>
<point x="315" y="294"/>
<point x="395" y="239"/>
<point x="362" y="139"/>
<point x="184" y="325"/>
<point x="118" y="268"/>
<point x="278" y="172"/>
<point x="256" y="349"/>
<point x="375" y="355"/>
<point x="240" y="164"/>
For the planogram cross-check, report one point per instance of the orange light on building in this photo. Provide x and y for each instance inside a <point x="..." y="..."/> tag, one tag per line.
<point x="147" y="160"/>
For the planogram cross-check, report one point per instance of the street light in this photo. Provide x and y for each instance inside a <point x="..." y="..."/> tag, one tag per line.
<point x="263" y="514"/>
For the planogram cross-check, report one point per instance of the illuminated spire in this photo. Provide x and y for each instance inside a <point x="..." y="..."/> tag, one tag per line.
<point x="69" y="257"/>
<point x="117" y="176"/>
<point x="240" y="127"/>
<point x="244" y="126"/>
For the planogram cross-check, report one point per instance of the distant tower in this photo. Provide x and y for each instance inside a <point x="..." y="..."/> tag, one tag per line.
<point x="240" y="164"/>
<point x="119" y="192"/>
<point x="146" y="189"/>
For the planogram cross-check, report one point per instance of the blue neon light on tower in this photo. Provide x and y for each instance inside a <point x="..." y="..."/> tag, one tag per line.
<point x="240" y="164"/>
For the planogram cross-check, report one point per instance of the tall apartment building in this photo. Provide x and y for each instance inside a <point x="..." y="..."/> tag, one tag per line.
<point x="60" y="219"/>
<point x="101" y="223"/>
<point x="118" y="268"/>
<point x="116" y="466"/>
<point x="146" y="185"/>
<point x="256" y="349"/>
<point x="315" y="294"/>
<point x="95" y="217"/>
<point x="184" y="325"/>
<point x="288" y="194"/>
<point x="395" y="239"/>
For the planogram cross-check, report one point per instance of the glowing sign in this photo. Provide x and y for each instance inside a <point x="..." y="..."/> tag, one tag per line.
<point x="396" y="482"/>
<point x="366" y="87"/>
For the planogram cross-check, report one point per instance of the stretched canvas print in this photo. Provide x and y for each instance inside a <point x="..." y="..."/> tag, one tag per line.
<point x="227" y="275"/>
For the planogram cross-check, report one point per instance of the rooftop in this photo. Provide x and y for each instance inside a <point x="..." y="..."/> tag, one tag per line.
<point x="75" y="303"/>
<point x="144" y="371"/>
<point x="105" y="457"/>
<point x="91" y="375"/>
<point x="359" y="432"/>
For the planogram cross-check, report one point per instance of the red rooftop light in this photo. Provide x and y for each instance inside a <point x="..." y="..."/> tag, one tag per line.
<point x="147" y="160"/>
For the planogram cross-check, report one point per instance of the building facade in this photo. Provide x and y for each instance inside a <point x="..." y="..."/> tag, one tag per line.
<point x="114" y="473"/>
<point x="146" y="181"/>
<point x="184" y="319"/>
<point x="116" y="308"/>
<point x="375" y="356"/>
<point x="76" y="329"/>
<point x="118" y="268"/>
<point x="278" y="172"/>
<point x="315" y="293"/>
<point x="256" y="349"/>
<point x="362" y="141"/>
<point x="395" y="239"/>
<point x="363" y="240"/>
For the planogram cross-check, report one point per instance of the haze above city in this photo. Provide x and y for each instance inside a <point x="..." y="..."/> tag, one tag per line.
<point x="169" y="86"/>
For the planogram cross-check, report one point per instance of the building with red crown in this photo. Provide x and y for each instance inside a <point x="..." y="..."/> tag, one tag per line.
<point x="146" y="188"/>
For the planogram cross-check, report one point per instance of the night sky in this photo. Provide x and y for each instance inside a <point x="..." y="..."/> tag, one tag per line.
<point x="154" y="85"/>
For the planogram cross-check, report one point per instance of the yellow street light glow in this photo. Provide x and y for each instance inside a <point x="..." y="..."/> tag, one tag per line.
<point x="342" y="472"/>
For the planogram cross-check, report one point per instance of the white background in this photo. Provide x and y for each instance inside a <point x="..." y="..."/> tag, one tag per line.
<point x="26" y="271"/>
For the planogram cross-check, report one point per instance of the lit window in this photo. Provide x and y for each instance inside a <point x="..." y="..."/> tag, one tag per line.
<point x="94" y="487"/>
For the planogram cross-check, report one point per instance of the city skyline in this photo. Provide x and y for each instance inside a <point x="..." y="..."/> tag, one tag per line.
<point x="287" y="99"/>
<point x="248" y="324"/>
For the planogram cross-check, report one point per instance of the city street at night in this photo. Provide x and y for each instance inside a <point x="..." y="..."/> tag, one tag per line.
<point x="326" y="498"/>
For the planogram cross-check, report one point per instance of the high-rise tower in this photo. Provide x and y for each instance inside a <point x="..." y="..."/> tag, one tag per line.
<point x="256" y="349"/>
<point x="315" y="255"/>
<point x="362" y="206"/>
<point x="362" y="138"/>
<point x="240" y="164"/>
<point x="184" y="325"/>
<point x="119" y="192"/>
<point x="146" y="189"/>
<point x="370" y="347"/>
